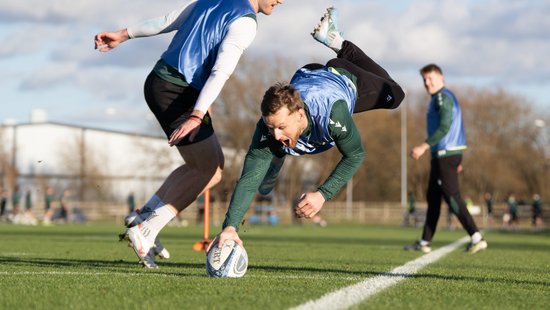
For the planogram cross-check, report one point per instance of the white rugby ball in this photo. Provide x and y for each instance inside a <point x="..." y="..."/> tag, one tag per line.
<point x="229" y="261"/>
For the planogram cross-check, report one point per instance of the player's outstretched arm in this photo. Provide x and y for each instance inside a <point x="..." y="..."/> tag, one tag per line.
<point x="106" y="41"/>
<point x="348" y="141"/>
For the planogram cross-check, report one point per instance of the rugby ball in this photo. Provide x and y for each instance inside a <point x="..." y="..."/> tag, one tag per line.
<point x="229" y="261"/>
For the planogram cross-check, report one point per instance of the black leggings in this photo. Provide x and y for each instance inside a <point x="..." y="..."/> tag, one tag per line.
<point x="375" y="88"/>
<point x="444" y="184"/>
<point x="172" y="104"/>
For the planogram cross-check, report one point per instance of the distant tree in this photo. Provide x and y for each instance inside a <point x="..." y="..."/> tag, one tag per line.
<point x="506" y="151"/>
<point x="8" y="172"/>
<point x="84" y="172"/>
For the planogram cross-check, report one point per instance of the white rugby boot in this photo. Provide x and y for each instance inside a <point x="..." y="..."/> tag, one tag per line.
<point x="327" y="29"/>
<point x="159" y="250"/>
<point x="133" y="219"/>
<point x="141" y="247"/>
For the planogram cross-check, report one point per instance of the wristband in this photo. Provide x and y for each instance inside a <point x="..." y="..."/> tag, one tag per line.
<point x="195" y="118"/>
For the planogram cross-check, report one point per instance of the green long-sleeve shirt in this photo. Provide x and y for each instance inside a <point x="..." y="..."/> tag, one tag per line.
<point x="443" y="108"/>
<point x="264" y="147"/>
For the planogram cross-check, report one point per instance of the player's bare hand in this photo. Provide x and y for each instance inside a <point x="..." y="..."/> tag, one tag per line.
<point x="419" y="150"/>
<point x="188" y="128"/>
<point x="106" y="41"/>
<point x="309" y="204"/>
<point x="228" y="233"/>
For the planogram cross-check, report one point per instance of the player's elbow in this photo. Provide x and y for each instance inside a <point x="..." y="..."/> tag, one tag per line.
<point x="220" y="75"/>
<point x="361" y="156"/>
<point x="358" y="157"/>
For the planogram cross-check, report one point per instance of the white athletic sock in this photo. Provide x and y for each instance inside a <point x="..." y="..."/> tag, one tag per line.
<point x="424" y="243"/>
<point x="336" y="40"/>
<point x="156" y="222"/>
<point x="476" y="237"/>
<point x="151" y="205"/>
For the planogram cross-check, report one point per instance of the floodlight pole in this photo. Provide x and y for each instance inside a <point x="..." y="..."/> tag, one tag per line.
<point x="403" y="155"/>
<point x="541" y="124"/>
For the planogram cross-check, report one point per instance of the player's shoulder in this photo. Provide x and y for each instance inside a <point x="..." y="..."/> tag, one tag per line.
<point x="444" y="96"/>
<point x="339" y="109"/>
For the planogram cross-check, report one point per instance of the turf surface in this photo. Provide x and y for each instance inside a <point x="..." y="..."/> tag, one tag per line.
<point x="85" y="267"/>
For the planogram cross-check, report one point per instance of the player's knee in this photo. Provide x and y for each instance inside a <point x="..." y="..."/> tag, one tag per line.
<point x="216" y="177"/>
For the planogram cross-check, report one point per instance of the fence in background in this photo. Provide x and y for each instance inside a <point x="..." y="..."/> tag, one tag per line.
<point x="382" y="213"/>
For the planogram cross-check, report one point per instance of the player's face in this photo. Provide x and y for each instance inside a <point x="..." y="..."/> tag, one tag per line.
<point x="286" y="127"/>
<point x="433" y="82"/>
<point x="266" y="6"/>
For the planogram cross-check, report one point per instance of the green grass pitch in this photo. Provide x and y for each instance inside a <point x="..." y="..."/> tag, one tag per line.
<point x="85" y="267"/>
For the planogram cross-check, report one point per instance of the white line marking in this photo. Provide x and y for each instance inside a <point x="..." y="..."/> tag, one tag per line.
<point x="357" y="293"/>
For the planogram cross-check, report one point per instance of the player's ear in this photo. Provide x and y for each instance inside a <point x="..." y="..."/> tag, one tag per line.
<point x="302" y="112"/>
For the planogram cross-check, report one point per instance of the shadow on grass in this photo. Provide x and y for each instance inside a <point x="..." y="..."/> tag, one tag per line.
<point x="121" y="266"/>
<point x="60" y="264"/>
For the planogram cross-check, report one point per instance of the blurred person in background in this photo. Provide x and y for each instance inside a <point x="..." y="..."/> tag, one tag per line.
<point x="131" y="202"/>
<point x="64" y="205"/>
<point x="537" y="212"/>
<point x="488" y="197"/>
<point x="3" y="202"/>
<point x="48" y="210"/>
<point x="15" y="205"/>
<point x="446" y="142"/>
<point x="512" y="220"/>
<point x="29" y="217"/>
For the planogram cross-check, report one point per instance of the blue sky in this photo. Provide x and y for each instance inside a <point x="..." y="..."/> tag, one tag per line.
<point x="47" y="60"/>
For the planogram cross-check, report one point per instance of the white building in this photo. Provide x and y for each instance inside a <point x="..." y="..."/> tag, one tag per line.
<point x="96" y="164"/>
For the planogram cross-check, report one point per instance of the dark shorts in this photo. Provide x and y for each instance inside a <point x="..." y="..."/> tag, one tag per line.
<point x="172" y="104"/>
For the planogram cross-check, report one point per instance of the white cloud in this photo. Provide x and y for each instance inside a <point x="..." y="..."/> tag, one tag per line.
<point x="48" y="76"/>
<point x="49" y="44"/>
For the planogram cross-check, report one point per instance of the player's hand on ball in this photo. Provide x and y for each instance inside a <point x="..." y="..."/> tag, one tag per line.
<point x="309" y="205"/>
<point x="229" y="233"/>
